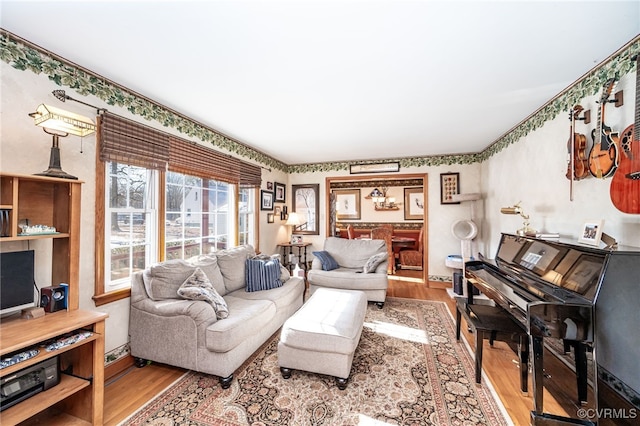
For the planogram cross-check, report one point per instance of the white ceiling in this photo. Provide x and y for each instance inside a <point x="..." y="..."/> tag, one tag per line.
<point x="322" y="81"/>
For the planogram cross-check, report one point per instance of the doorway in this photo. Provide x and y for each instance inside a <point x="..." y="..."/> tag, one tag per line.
<point x="400" y="200"/>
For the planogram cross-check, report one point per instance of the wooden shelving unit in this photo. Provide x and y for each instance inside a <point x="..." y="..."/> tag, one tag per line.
<point x="79" y="397"/>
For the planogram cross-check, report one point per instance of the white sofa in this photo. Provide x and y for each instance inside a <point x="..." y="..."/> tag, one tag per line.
<point x="351" y="257"/>
<point x="165" y="328"/>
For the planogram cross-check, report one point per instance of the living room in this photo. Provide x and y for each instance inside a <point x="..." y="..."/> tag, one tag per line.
<point x="526" y="165"/>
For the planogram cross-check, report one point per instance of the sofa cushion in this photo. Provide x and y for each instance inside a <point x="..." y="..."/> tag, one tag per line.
<point x="328" y="262"/>
<point x="353" y="253"/>
<point x="261" y="274"/>
<point x="283" y="296"/>
<point x="163" y="280"/>
<point x="199" y="287"/>
<point x="246" y="316"/>
<point x="209" y="265"/>
<point x="231" y="262"/>
<point x="373" y="262"/>
<point x="348" y="278"/>
<point x="285" y="275"/>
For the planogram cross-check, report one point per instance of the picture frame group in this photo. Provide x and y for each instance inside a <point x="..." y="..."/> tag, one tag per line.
<point x="276" y="192"/>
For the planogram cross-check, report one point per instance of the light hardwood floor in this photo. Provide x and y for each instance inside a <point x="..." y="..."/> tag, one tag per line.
<point x="132" y="388"/>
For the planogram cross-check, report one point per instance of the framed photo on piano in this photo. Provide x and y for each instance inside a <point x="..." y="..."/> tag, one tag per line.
<point x="591" y="232"/>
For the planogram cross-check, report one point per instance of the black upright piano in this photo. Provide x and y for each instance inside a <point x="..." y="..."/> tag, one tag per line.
<point x="586" y="296"/>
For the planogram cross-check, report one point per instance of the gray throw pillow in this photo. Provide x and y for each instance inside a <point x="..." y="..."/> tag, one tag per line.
<point x="373" y="262"/>
<point x="209" y="265"/>
<point x="198" y="287"/>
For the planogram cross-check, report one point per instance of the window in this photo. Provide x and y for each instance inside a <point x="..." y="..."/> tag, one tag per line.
<point x="130" y="222"/>
<point x="246" y="216"/>
<point x="165" y="198"/>
<point x="197" y="216"/>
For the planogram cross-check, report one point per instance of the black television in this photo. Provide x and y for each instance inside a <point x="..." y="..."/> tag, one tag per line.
<point x="17" y="282"/>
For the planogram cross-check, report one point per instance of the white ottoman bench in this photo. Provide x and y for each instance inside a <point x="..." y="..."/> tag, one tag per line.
<point x="322" y="336"/>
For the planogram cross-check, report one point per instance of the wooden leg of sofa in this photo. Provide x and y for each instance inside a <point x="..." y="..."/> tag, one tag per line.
<point x="286" y="372"/>
<point x="342" y="383"/>
<point x="140" y="362"/>
<point x="225" y="382"/>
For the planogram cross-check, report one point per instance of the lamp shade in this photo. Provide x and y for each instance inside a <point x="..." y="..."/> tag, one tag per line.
<point x="294" y="219"/>
<point x="62" y="121"/>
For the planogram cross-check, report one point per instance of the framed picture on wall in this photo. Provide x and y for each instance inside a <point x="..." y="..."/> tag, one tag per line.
<point x="347" y="203"/>
<point x="266" y="200"/>
<point x="449" y="186"/>
<point x="413" y="203"/>
<point x="280" y="192"/>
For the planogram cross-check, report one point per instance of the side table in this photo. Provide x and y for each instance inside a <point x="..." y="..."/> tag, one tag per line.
<point x="302" y="255"/>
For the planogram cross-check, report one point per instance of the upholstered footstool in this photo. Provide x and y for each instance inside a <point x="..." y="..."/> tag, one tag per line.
<point x="322" y="336"/>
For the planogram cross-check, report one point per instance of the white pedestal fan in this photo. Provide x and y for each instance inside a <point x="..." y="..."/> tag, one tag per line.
<point x="466" y="231"/>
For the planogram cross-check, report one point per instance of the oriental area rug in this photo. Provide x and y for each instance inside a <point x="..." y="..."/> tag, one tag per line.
<point x="408" y="369"/>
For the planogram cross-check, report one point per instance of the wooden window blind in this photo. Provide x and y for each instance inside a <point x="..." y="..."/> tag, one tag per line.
<point x="126" y="141"/>
<point x="197" y="160"/>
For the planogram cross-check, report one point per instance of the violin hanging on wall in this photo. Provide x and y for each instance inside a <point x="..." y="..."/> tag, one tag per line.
<point x="604" y="157"/>
<point x="577" y="164"/>
<point x="625" y="185"/>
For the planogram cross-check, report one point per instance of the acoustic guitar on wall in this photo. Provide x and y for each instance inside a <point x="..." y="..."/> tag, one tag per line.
<point x="625" y="185"/>
<point x="604" y="157"/>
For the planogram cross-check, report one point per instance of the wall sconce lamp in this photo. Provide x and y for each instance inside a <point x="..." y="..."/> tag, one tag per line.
<point x="516" y="209"/>
<point x="60" y="123"/>
<point x="381" y="201"/>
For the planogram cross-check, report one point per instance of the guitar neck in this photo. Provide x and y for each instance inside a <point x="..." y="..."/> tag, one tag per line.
<point x="600" y="121"/>
<point x="636" y="125"/>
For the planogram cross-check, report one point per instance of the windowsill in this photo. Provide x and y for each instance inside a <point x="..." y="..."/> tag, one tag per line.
<point x="112" y="296"/>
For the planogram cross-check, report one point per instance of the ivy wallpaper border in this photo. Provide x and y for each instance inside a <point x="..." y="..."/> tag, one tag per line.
<point x="26" y="56"/>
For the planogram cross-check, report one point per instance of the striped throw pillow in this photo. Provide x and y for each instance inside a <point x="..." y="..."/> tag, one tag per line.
<point x="261" y="274"/>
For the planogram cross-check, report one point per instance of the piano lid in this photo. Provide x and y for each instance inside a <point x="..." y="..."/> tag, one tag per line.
<point x="570" y="267"/>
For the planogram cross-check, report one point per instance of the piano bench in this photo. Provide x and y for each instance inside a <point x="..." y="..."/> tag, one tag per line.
<point x="495" y="324"/>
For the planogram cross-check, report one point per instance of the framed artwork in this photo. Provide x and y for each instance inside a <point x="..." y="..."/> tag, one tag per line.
<point x="280" y="192"/>
<point x="269" y="186"/>
<point x="374" y="168"/>
<point x="347" y="203"/>
<point x="306" y="202"/>
<point x="266" y="200"/>
<point x="270" y="217"/>
<point x="296" y="239"/>
<point x="591" y="232"/>
<point x="449" y="186"/>
<point x="414" y="203"/>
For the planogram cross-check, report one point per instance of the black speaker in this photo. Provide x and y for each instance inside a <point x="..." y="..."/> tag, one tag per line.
<point x="53" y="298"/>
<point x="457" y="283"/>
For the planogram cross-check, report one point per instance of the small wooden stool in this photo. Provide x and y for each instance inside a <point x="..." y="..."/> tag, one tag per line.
<point x="493" y="323"/>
